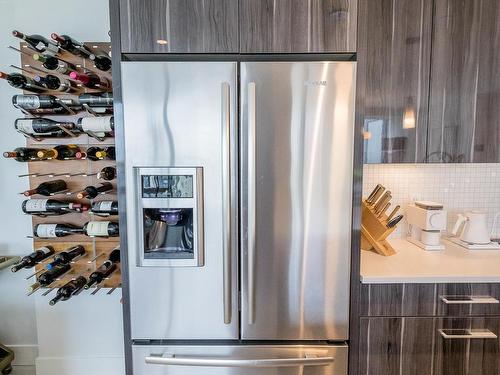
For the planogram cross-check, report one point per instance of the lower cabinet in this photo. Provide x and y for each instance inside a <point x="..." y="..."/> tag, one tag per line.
<point x="429" y="346"/>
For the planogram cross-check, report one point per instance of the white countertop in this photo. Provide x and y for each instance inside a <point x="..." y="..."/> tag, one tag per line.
<point x="412" y="264"/>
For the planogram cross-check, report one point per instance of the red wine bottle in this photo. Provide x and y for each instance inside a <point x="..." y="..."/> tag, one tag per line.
<point x="101" y="229"/>
<point x="67" y="256"/>
<point x="104" y="270"/>
<point x="114" y="256"/>
<point x="53" y="63"/>
<point x="43" y="127"/>
<point x="91" y="80"/>
<point x="55" y="230"/>
<point x="48" y="277"/>
<point x="54" y="83"/>
<point x="71" y="45"/>
<point x="47" y="188"/>
<point x="97" y="100"/>
<point x="101" y="126"/>
<point x="23" y="154"/>
<point x="105" y="208"/>
<point x="68" y="290"/>
<point x="45" y="207"/>
<point x="34" y="258"/>
<point x="90" y="192"/>
<point x="107" y="174"/>
<point x="62" y="152"/>
<point x="22" y="82"/>
<point x="38" y="42"/>
<point x="106" y="153"/>
<point x="101" y="62"/>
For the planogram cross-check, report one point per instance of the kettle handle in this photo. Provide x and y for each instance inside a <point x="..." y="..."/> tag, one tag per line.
<point x="461" y="219"/>
<point x="497" y="215"/>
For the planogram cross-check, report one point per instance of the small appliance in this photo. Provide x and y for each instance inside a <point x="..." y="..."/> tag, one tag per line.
<point x="426" y="220"/>
<point x="475" y="234"/>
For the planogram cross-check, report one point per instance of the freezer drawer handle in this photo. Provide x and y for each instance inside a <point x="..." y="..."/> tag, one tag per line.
<point x="468" y="300"/>
<point x="251" y="200"/>
<point x="226" y="188"/>
<point x="173" y="360"/>
<point x="453" y="334"/>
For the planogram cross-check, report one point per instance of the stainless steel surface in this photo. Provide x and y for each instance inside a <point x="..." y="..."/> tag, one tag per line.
<point x="373" y="193"/>
<point x="454" y="334"/>
<point x="303" y="155"/>
<point x="172" y="118"/>
<point x="241" y="360"/>
<point x="226" y="193"/>
<point x="382" y="201"/>
<point x="393" y="212"/>
<point x="377" y="195"/>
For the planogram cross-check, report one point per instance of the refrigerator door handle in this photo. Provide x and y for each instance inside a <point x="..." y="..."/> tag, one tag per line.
<point x="251" y="200"/>
<point x="173" y="360"/>
<point x="226" y="194"/>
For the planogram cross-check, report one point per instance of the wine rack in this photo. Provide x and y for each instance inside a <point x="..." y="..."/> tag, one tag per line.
<point x="77" y="173"/>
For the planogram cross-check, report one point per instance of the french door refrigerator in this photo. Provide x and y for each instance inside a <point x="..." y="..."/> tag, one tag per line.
<point x="238" y="205"/>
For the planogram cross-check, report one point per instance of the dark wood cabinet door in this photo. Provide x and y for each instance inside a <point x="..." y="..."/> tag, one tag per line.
<point x="394" y="46"/>
<point x="297" y="26"/>
<point x="179" y="26"/>
<point x="464" y="117"/>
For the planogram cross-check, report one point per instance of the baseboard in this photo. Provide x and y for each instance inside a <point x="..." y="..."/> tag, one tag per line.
<point x="80" y="366"/>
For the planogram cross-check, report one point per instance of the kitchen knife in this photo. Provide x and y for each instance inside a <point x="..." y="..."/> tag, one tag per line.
<point x="382" y="201"/>
<point x="394" y="221"/>
<point x="375" y="190"/>
<point x="381" y="212"/>
<point x="377" y="195"/>
<point x="391" y="215"/>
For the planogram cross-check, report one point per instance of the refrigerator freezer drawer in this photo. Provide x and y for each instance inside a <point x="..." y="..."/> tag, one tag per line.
<point x="240" y="360"/>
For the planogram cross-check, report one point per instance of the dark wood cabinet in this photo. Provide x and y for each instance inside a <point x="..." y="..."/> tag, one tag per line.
<point x="394" y="51"/>
<point x="297" y="26"/>
<point x="464" y="117"/>
<point x="179" y="26"/>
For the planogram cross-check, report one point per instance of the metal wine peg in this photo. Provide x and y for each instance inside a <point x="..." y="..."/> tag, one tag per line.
<point x="61" y="102"/>
<point x="84" y="174"/>
<point x="29" y="175"/>
<point x="48" y="292"/>
<point x="89" y="110"/>
<point x="36" y="273"/>
<point x="18" y="50"/>
<point x="113" y="289"/>
<point x="50" y="174"/>
<point x="59" y="192"/>
<point x="94" y="135"/>
<point x="69" y="132"/>
<point x="96" y="291"/>
<point x="30" y="136"/>
<point x="94" y="258"/>
<point x="26" y="70"/>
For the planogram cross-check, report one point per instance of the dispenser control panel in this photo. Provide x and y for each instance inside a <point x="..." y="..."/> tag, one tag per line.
<point x="171" y="209"/>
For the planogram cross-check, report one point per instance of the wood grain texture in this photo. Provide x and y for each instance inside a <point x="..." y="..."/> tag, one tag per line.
<point x="464" y="116"/>
<point x="484" y="355"/>
<point x="297" y="26"/>
<point x="417" y="346"/>
<point x="188" y="26"/>
<point x="394" y="46"/>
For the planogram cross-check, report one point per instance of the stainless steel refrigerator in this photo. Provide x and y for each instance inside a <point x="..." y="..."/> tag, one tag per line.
<point x="238" y="205"/>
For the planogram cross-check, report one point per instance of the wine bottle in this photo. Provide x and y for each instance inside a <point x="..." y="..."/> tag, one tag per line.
<point x="105" y="208"/>
<point x="68" y="290"/>
<point x="91" y="80"/>
<point x="71" y="45"/>
<point x="54" y="83"/>
<point x="23" y="154"/>
<point x="97" y="125"/>
<point x="114" y="256"/>
<point x="47" y="188"/>
<point x="48" y="277"/>
<point x="22" y="82"/>
<point x="34" y="258"/>
<point x="90" y="192"/>
<point x="98" y="153"/>
<point x="101" y="229"/>
<point x="43" y="127"/>
<point x="45" y="207"/>
<point x="40" y="104"/>
<point x="107" y="174"/>
<point x="104" y="270"/>
<point x="38" y="42"/>
<point x="97" y="100"/>
<point x="53" y="63"/>
<point x="67" y="256"/>
<point x="101" y="62"/>
<point x="62" y="152"/>
<point x="55" y="230"/>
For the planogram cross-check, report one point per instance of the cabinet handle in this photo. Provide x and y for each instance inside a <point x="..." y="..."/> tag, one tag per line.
<point x="251" y="200"/>
<point x="468" y="300"/>
<point x="454" y="334"/>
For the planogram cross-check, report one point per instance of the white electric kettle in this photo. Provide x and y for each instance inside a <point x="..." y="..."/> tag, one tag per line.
<point x="475" y="230"/>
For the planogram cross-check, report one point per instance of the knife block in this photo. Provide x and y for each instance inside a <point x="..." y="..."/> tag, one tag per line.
<point x="374" y="232"/>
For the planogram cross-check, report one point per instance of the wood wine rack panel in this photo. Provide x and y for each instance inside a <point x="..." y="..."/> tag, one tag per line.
<point x="99" y="247"/>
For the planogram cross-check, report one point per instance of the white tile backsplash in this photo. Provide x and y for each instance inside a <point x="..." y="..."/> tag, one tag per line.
<point x="460" y="187"/>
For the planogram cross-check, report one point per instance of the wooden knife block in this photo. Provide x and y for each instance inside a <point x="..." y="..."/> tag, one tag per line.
<point x="374" y="232"/>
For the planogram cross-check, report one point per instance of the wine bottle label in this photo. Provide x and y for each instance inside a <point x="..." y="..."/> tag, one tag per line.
<point x="97" y="124"/>
<point x="45" y="250"/>
<point x="46" y="230"/>
<point x="28" y="101"/>
<point x="40" y="46"/>
<point x="36" y="205"/>
<point x="105" y="205"/>
<point x="97" y="228"/>
<point x="25" y="125"/>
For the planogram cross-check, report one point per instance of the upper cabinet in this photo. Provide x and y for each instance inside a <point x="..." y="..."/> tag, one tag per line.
<point x="464" y="117"/>
<point x="394" y="48"/>
<point x="297" y="26"/>
<point x="179" y="26"/>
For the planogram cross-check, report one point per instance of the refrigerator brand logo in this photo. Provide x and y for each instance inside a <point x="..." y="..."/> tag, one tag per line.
<point x="315" y="83"/>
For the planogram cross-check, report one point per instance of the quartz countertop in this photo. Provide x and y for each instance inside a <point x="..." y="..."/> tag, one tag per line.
<point x="412" y="264"/>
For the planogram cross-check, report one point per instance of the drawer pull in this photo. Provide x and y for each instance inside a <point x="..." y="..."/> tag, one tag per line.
<point x="468" y="300"/>
<point x="453" y="334"/>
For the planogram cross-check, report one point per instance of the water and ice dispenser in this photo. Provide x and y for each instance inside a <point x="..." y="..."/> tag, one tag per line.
<point x="171" y="209"/>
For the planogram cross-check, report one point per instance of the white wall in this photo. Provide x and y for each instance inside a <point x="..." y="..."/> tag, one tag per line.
<point x="85" y="335"/>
